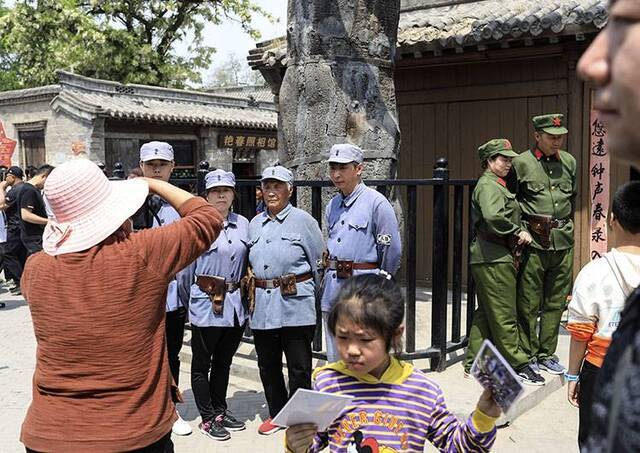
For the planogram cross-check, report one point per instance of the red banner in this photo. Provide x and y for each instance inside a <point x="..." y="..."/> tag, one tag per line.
<point x="599" y="170"/>
<point x="7" y="147"/>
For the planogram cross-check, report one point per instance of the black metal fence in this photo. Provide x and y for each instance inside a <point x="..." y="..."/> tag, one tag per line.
<point x="449" y="222"/>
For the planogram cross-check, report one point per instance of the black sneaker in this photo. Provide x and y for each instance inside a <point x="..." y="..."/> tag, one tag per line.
<point x="229" y="422"/>
<point x="529" y="377"/>
<point x="214" y="430"/>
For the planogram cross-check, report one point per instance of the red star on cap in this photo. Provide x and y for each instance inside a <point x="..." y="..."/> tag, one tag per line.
<point x="507" y="144"/>
<point x="557" y="122"/>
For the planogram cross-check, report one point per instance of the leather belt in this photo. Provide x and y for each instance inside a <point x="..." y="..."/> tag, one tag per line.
<point x="276" y="283"/>
<point x="555" y="223"/>
<point x="232" y="286"/>
<point x="334" y="264"/>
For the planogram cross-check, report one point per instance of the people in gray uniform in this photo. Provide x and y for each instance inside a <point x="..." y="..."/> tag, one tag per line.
<point x="285" y="248"/>
<point x="156" y="161"/>
<point x="216" y="310"/>
<point x="363" y="235"/>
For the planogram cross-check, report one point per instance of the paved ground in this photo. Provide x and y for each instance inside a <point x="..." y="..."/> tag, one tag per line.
<point x="550" y="426"/>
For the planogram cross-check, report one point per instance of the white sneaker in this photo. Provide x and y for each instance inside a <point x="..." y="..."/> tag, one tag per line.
<point x="181" y="427"/>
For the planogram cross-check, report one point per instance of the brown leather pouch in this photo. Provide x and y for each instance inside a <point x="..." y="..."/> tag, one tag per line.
<point x="288" y="285"/>
<point x="540" y="225"/>
<point x="344" y="269"/>
<point x="248" y="289"/>
<point x="216" y="288"/>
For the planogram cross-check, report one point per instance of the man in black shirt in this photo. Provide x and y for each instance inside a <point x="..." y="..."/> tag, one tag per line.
<point x="33" y="211"/>
<point x="15" y="254"/>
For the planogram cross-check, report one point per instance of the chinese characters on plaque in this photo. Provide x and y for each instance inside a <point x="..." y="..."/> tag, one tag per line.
<point x="252" y="141"/>
<point x="7" y="146"/>
<point x="599" y="186"/>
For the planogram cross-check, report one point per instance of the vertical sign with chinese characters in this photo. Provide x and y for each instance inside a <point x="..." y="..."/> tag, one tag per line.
<point x="599" y="186"/>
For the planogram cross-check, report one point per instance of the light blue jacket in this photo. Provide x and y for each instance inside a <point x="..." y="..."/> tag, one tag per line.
<point x="291" y="243"/>
<point x="227" y="257"/>
<point x="176" y="298"/>
<point x="363" y="228"/>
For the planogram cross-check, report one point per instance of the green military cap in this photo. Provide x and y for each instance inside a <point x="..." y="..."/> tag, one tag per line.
<point x="551" y="124"/>
<point x="500" y="146"/>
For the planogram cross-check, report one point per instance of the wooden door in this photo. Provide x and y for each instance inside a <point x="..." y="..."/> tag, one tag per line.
<point x="33" y="146"/>
<point x="448" y="111"/>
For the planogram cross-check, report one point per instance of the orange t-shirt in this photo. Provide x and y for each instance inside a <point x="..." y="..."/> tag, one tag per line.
<point x="102" y="380"/>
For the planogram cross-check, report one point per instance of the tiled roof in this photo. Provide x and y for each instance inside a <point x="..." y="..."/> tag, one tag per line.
<point x="269" y="53"/>
<point x="470" y="23"/>
<point x="28" y="94"/>
<point x="96" y="97"/>
<point x="258" y="92"/>
<point x="494" y="20"/>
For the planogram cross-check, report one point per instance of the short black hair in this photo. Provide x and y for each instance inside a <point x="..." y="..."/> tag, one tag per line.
<point x="44" y="170"/>
<point x="373" y="302"/>
<point x="30" y="171"/>
<point x="626" y="206"/>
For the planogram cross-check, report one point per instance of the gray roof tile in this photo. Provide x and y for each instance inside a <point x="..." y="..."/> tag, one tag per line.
<point x="493" y="20"/>
<point x="27" y="94"/>
<point x="97" y="97"/>
<point x="259" y="93"/>
<point x="472" y="23"/>
<point x="167" y="110"/>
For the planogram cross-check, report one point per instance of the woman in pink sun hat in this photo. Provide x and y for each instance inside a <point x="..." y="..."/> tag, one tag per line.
<point x="102" y="380"/>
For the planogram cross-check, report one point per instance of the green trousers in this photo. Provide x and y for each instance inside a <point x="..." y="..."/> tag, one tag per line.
<point x="543" y="286"/>
<point x="496" y="316"/>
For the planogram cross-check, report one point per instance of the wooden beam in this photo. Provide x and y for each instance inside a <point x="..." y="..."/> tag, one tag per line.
<point x="471" y="56"/>
<point x="484" y="92"/>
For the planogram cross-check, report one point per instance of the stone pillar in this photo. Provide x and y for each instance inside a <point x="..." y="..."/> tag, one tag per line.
<point x="96" y="142"/>
<point x="339" y="86"/>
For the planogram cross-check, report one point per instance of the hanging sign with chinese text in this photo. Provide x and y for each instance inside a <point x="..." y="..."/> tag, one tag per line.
<point x="7" y="147"/>
<point x="599" y="171"/>
<point x="247" y="140"/>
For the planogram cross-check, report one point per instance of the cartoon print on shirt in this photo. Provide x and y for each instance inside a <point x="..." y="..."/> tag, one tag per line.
<point x="369" y="445"/>
<point x="352" y="422"/>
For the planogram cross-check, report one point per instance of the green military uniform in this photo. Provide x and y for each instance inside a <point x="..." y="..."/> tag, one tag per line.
<point x="546" y="186"/>
<point x="496" y="216"/>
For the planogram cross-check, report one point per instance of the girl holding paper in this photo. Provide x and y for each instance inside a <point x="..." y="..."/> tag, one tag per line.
<point x="396" y="407"/>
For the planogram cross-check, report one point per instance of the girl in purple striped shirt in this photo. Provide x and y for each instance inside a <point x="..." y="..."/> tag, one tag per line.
<point x="396" y="408"/>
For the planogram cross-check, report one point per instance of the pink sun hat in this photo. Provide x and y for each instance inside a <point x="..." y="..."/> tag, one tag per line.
<point x="87" y="207"/>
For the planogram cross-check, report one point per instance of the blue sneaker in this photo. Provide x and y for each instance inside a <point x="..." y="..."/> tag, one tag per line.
<point x="552" y="366"/>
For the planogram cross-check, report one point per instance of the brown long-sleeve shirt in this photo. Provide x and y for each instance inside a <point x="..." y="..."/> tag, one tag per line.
<point x="102" y="380"/>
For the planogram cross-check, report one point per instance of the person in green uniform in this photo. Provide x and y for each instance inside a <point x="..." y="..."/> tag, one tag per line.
<point x="546" y="192"/>
<point x="499" y="236"/>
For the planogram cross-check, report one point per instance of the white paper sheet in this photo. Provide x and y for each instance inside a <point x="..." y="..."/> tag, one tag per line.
<point x="309" y="406"/>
